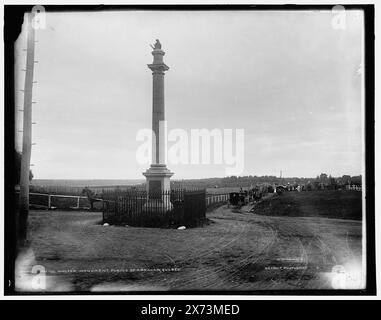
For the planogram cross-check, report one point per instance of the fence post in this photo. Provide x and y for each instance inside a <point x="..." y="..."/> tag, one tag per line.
<point x="103" y="207"/>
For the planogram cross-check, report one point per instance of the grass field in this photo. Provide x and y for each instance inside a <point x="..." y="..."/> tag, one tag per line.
<point x="235" y="251"/>
<point x="341" y="204"/>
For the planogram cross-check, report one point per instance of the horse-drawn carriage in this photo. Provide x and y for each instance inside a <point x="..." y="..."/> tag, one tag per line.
<point x="238" y="199"/>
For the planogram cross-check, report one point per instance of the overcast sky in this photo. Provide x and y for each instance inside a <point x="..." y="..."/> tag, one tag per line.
<point x="289" y="79"/>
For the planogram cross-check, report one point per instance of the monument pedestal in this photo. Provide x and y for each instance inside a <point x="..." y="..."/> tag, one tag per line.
<point x="158" y="187"/>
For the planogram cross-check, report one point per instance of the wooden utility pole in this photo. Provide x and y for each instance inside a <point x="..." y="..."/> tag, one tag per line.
<point x="27" y="136"/>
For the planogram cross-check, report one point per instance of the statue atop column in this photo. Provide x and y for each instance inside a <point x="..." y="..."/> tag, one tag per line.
<point x="157" y="45"/>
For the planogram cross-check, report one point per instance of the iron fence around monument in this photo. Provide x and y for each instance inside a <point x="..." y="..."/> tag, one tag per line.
<point x="172" y="208"/>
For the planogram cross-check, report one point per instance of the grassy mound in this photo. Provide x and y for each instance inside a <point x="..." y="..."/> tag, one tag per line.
<point x="341" y="204"/>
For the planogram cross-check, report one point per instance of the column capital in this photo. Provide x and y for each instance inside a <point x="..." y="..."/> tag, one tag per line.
<point x="158" y="67"/>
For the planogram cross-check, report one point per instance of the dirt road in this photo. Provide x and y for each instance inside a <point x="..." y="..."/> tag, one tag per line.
<point x="238" y="250"/>
<point x="260" y="252"/>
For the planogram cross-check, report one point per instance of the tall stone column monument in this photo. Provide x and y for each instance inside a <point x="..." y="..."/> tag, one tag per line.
<point x="158" y="175"/>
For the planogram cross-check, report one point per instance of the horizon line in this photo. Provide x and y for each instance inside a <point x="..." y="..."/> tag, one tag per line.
<point x="179" y="179"/>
